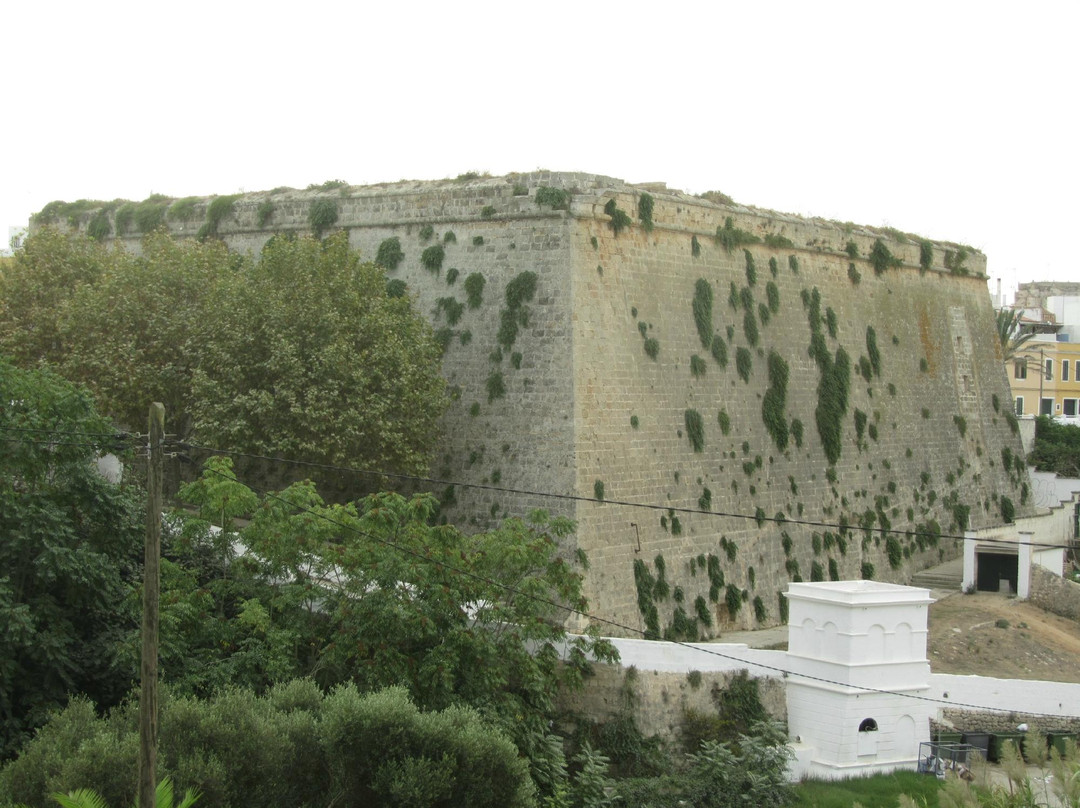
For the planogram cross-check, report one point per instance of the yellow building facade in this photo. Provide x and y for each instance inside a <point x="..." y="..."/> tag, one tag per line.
<point x="1045" y="379"/>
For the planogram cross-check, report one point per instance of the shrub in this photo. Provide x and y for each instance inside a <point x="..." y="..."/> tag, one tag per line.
<point x="487" y="211"/>
<point x="697" y="366"/>
<point x="718" y="349"/>
<point x="881" y="259"/>
<point x="702" y="308"/>
<point x="724" y="421"/>
<point x="695" y="429"/>
<point x="474" y="289"/>
<point x="619" y="218"/>
<point x="322" y="215"/>
<point x="645" y="211"/>
<point x="496" y="386"/>
<point x="432" y="258"/>
<point x="389" y="254"/>
<point x="598" y="490"/>
<point x="743" y="364"/>
<point x="264" y="212"/>
<point x="730" y="237"/>
<point x="652" y="347"/>
<point x="555" y="198"/>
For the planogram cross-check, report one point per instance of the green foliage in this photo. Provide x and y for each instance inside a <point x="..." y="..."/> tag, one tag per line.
<point x="396" y="287"/>
<point x="487" y="212"/>
<point x="866" y="572"/>
<point x="1056" y="449"/>
<point x="149" y="214"/>
<point x="496" y="386"/>
<point x="853" y="274"/>
<point x="619" y="218"/>
<point x="894" y="552"/>
<point x="772" y="294"/>
<point x="264" y="212"/>
<point x="881" y="258"/>
<point x="125" y="215"/>
<point x="329" y="185"/>
<point x="733" y="600"/>
<point x="730" y="237"/>
<point x="718" y="349"/>
<point x="519" y="291"/>
<point x="724" y="421"/>
<point x="449" y="237"/>
<point x="1008" y="510"/>
<point x="751" y="268"/>
<point x="872" y="350"/>
<point x="695" y="246"/>
<point x="555" y="198"/>
<point x="652" y="347"/>
<point x="926" y="255"/>
<point x="961" y="424"/>
<point x="716" y="197"/>
<point x="99" y="227"/>
<point x="183" y="210"/>
<point x="697" y="366"/>
<point x="478" y="241"/>
<point x="852" y="249"/>
<point x="775" y="400"/>
<point x="777" y="241"/>
<point x="761" y="614"/>
<point x="291" y="746"/>
<point x="793" y="264"/>
<point x="70" y="552"/>
<point x="750" y="327"/>
<point x="451" y="307"/>
<point x="427" y="232"/>
<point x="432" y="258"/>
<point x="695" y="429"/>
<point x="266" y="385"/>
<point x="702" y="307"/>
<point x="598" y="490"/>
<point x="743" y="363"/>
<point x="645" y="211"/>
<point x="322" y="215"/>
<point x="452" y="276"/>
<point x="954" y="261"/>
<point x="474" y="289"/>
<point x="634" y="421"/>
<point x="389" y="254"/>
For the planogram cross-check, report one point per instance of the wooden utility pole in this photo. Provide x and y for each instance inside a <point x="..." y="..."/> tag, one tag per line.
<point x="148" y="696"/>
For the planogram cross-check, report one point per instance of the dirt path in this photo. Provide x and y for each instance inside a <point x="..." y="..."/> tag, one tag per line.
<point x="995" y="635"/>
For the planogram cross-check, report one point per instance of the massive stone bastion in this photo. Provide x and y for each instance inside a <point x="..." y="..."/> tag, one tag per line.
<point x="794" y="399"/>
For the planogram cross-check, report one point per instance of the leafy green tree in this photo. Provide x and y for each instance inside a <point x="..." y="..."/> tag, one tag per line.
<point x="35" y="287"/>
<point x="136" y="335"/>
<point x="70" y="544"/>
<point x="310" y="359"/>
<point x="299" y="353"/>
<point x="1056" y="448"/>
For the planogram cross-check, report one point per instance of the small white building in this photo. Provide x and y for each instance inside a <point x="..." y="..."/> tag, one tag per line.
<point x="850" y="640"/>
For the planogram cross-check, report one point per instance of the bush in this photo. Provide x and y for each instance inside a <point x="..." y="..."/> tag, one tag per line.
<point x="390" y="253"/>
<point x="322" y="215"/>
<point x="292" y="746"/>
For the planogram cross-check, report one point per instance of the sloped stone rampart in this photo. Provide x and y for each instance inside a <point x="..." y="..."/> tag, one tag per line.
<point x="575" y="406"/>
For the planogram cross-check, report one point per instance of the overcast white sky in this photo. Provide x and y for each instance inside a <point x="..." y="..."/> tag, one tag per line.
<point x="954" y="120"/>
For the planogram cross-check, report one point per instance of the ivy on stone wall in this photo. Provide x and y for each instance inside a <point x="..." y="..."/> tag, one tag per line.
<point x="389" y="254"/>
<point x="702" y="308"/>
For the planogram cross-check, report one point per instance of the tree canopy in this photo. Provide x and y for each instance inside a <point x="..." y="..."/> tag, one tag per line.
<point x="70" y="545"/>
<point x="299" y="353"/>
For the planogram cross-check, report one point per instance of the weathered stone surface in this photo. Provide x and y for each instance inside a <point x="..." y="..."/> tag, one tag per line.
<point x="578" y="373"/>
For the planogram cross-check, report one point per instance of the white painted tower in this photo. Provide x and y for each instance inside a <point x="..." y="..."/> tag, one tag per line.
<point x="846" y="636"/>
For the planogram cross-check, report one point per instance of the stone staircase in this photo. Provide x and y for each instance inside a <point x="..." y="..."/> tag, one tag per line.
<point x="948" y="576"/>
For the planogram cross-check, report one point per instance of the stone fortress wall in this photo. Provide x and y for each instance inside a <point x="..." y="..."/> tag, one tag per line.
<point x="575" y="405"/>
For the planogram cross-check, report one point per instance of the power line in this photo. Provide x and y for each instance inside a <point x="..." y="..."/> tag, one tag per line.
<point x="578" y="498"/>
<point x="783" y="672"/>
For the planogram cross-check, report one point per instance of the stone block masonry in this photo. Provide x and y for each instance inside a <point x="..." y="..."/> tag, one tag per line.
<point x="844" y="382"/>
